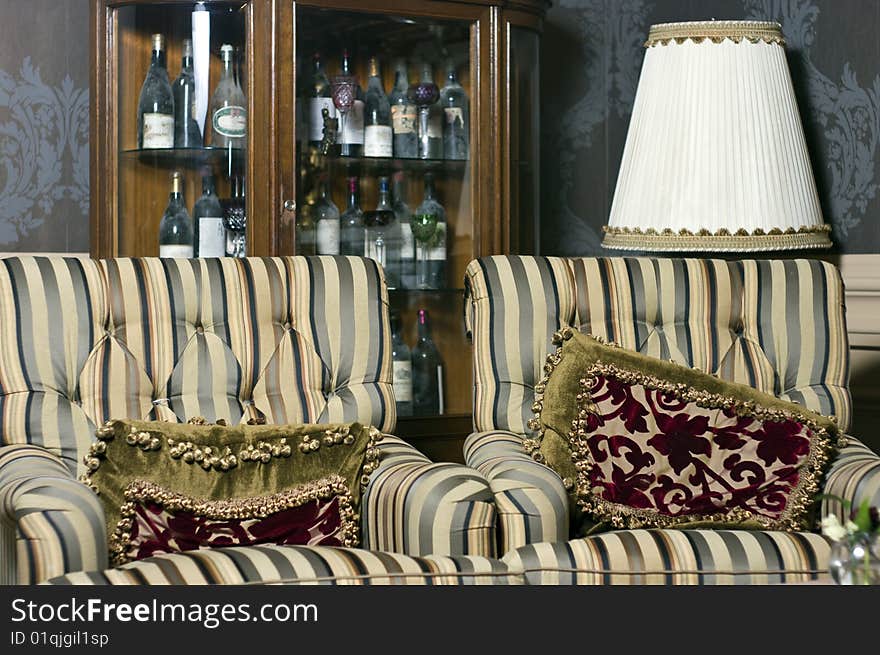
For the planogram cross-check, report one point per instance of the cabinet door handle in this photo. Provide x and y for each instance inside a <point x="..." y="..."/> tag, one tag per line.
<point x="289" y="206"/>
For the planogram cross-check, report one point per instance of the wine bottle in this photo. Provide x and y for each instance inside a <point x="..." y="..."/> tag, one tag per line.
<point x="391" y="234"/>
<point x="155" y="119"/>
<point x="327" y="222"/>
<point x="351" y="141"/>
<point x="403" y="115"/>
<point x="456" y="109"/>
<point x="228" y="109"/>
<point x="186" y="129"/>
<point x="431" y="256"/>
<point x="319" y="98"/>
<point x="305" y="227"/>
<point x="176" y="228"/>
<point x="427" y="372"/>
<point x="435" y="119"/>
<point x="378" y="135"/>
<point x="403" y="216"/>
<point x="235" y="219"/>
<point x="210" y="235"/>
<point x="401" y="363"/>
<point x="351" y="233"/>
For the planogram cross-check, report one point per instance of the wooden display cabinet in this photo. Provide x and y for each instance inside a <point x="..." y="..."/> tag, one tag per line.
<point x="490" y="198"/>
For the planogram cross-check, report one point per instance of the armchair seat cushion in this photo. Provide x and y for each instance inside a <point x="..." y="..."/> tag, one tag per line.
<point x="269" y="564"/>
<point x="675" y="557"/>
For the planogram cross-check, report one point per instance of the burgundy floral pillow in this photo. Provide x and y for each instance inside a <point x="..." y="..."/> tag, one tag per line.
<point x="652" y="443"/>
<point x="156" y="520"/>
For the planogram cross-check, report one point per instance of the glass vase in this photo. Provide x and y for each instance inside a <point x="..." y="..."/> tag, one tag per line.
<point x="856" y="560"/>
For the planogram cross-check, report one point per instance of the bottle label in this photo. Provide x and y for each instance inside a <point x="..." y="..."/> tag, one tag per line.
<point x="454" y="115"/>
<point x="354" y="124"/>
<point x="406" y="242"/>
<point x="176" y="251"/>
<point x="212" y="237"/>
<point x="230" y="121"/>
<point x="316" y="120"/>
<point x="402" y="376"/>
<point x="377" y="141"/>
<point x="438" y="252"/>
<point x="158" y="131"/>
<point x="435" y="125"/>
<point x="403" y="119"/>
<point x="328" y="237"/>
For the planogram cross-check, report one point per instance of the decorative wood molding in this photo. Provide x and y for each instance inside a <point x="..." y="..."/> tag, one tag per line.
<point x="861" y="277"/>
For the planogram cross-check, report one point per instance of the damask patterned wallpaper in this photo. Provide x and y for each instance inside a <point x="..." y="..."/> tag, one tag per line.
<point x="44" y="126"/>
<point x="592" y="55"/>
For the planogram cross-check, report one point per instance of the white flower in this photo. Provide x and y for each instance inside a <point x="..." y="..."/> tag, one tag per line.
<point x="851" y="528"/>
<point x="832" y="529"/>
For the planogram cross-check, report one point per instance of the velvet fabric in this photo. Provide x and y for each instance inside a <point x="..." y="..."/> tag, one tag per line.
<point x="137" y="465"/>
<point x="642" y="442"/>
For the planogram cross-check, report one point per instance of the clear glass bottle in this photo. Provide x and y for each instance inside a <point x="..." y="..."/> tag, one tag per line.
<point x="351" y="141"/>
<point x="404" y="115"/>
<point x="351" y="233"/>
<point x="431" y="249"/>
<point x="155" y="119"/>
<point x="186" y="128"/>
<point x="427" y="372"/>
<point x="235" y="219"/>
<point x="434" y="148"/>
<point x="176" y="227"/>
<point x="401" y="362"/>
<point x="227" y="109"/>
<point x="456" y="109"/>
<point x="210" y="235"/>
<point x="378" y="136"/>
<point x="327" y="222"/>
<point x="382" y="243"/>
<point x="319" y="97"/>
<point x="403" y="217"/>
<point x="306" y="234"/>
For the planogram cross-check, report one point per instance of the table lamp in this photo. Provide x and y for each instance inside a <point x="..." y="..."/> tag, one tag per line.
<point x="715" y="156"/>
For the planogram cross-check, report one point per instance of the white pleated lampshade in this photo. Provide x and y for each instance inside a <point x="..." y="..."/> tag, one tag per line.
<point x="715" y="157"/>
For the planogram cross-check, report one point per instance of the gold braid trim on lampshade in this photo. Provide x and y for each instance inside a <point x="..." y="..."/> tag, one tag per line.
<point x="805" y="237"/>
<point x="715" y="31"/>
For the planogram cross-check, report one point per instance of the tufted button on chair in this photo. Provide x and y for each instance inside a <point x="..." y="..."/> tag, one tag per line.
<point x="291" y="340"/>
<point x="778" y="326"/>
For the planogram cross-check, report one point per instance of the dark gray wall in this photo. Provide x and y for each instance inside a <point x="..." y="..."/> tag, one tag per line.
<point x="592" y="55"/>
<point x="44" y="125"/>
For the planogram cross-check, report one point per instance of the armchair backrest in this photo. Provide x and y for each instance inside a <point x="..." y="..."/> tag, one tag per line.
<point x="295" y="339"/>
<point x="776" y="325"/>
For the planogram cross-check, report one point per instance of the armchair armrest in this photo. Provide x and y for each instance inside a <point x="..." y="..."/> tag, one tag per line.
<point x="417" y="507"/>
<point x="530" y="498"/>
<point x="854" y="476"/>
<point x="50" y="523"/>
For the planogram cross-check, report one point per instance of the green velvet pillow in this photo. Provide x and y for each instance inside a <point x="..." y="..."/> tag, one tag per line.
<point x="169" y="487"/>
<point x="641" y="442"/>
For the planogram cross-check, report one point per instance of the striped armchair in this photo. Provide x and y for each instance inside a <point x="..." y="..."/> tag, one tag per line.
<point x="777" y="325"/>
<point x="290" y="339"/>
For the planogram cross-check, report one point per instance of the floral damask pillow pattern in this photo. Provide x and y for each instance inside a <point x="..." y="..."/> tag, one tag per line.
<point x="645" y="443"/>
<point x="168" y="487"/>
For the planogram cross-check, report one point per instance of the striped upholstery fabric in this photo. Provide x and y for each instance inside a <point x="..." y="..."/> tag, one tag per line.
<point x="51" y="523"/>
<point x="742" y="320"/>
<point x="675" y="557"/>
<point x="739" y="319"/>
<point x="300" y="565"/>
<point x="291" y="340"/>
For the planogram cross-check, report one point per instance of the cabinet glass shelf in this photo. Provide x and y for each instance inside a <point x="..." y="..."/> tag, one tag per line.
<point x="375" y="165"/>
<point x="184" y="157"/>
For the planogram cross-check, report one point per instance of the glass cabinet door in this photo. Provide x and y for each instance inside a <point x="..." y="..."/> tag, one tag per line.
<point x="384" y="157"/>
<point x="179" y="72"/>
